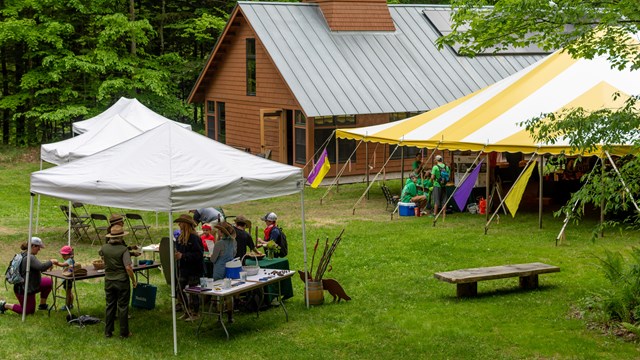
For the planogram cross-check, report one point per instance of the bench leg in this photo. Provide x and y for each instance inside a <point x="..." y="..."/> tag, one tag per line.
<point x="529" y="282"/>
<point x="467" y="290"/>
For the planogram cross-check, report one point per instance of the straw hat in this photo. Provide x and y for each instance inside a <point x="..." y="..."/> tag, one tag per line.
<point x="186" y="219"/>
<point x="226" y="229"/>
<point x="115" y="218"/>
<point x="241" y="219"/>
<point x="116" y="232"/>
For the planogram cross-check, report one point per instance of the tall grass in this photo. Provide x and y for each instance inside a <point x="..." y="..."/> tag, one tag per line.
<point x="398" y="309"/>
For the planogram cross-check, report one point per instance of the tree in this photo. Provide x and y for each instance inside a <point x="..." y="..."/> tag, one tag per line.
<point x="585" y="29"/>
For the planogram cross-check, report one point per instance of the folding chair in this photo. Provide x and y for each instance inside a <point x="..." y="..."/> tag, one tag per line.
<point x="84" y="215"/>
<point x="78" y="225"/>
<point x="99" y="217"/>
<point x="138" y="227"/>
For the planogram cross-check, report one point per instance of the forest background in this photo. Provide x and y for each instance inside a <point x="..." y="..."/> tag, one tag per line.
<point x="64" y="61"/>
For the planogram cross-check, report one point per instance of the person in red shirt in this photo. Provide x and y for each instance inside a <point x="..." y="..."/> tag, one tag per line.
<point x="206" y="235"/>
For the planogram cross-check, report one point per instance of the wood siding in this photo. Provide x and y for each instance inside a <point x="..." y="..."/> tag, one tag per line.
<point x="228" y="85"/>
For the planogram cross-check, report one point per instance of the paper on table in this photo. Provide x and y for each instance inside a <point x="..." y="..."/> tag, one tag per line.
<point x="210" y="245"/>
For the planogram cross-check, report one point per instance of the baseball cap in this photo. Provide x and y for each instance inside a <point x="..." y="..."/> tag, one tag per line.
<point x="37" y="241"/>
<point x="270" y="217"/>
<point x="438" y="157"/>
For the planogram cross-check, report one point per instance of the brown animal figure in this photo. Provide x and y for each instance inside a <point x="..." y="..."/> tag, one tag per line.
<point x="335" y="290"/>
<point x="301" y="273"/>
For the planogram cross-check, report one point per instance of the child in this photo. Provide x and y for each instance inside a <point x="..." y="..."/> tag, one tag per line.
<point x="206" y="235"/>
<point x="67" y="255"/>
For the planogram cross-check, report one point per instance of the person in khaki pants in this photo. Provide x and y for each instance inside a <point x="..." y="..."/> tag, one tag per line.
<point x="117" y="272"/>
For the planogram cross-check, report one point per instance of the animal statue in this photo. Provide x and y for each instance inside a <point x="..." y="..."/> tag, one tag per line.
<point x="332" y="286"/>
<point x="335" y="290"/>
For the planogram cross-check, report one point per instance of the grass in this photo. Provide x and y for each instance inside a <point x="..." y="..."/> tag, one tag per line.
<point x="398" y="309"/>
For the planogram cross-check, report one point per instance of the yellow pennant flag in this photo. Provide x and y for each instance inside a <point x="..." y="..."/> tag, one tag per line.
<point x="515" y="195"/>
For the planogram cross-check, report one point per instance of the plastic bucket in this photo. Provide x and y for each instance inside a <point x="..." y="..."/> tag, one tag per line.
<point x="233" y="269"/>
<point x="316" y="293"/>
<point x="406" y="209"/>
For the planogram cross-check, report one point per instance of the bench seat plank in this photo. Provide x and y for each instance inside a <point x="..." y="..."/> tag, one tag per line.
<point x="495" y="272"/>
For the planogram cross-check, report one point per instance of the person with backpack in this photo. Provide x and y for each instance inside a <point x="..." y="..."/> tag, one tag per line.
<point x="440" y="176"/>
<point x="274" y="233"/>
<point x="37" y="283"/>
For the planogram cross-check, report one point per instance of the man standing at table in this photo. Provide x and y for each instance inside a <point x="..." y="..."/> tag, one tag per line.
<point x="243" y="238"/>
<point x="118" y="269"/>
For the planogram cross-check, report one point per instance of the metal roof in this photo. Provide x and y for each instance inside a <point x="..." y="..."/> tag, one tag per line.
<point x="336" y="73"/>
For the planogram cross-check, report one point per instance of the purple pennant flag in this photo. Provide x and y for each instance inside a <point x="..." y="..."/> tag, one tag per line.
<point x="464" y="189"/>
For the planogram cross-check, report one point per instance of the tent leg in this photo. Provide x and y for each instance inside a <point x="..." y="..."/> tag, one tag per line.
<point x="540" y="161"/>
<point x="26" y="278"/>
<point x="172" y="269"/>
<point x="304" y="249"/>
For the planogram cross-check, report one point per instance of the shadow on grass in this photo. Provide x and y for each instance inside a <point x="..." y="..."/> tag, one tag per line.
<point x="499" y="292"/>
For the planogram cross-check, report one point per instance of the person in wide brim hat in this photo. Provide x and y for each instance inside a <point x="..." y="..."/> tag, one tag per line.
<point x="185" y="219"/>
<point x="117" y="231"/>
<point x="226" y="229"/>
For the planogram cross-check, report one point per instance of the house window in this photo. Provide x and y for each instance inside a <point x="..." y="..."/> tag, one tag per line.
<point x="409" y="152"/>
<point x="211" y="127"/>
<point x="251" y="67"/>
<point x="300" y="137"/>
<point x="324" y="127"/>
<point x="222" y="131"/>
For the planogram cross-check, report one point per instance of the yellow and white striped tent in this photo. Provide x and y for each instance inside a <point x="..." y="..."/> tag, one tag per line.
<point x="488" y="119"/>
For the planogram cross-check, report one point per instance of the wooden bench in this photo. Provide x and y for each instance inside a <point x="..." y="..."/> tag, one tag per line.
<point x="467" y="279"/>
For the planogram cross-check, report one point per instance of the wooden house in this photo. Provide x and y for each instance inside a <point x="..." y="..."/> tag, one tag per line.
<point x="283" y="76"/>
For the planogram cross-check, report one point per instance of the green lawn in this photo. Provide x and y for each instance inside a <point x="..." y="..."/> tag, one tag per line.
<point x="398" y="310"/>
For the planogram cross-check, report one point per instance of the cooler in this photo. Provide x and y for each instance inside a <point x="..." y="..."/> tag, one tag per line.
<point x="233" y="269"/>
<point x="406" y="209"/>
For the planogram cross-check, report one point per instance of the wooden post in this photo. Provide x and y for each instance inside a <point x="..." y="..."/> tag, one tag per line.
<point x="540" y="161"/>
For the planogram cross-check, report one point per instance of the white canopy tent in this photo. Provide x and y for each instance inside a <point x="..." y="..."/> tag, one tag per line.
<point x="170" y="169"/>
<point x="131" y="110"/>
<point x="114" y="130"/>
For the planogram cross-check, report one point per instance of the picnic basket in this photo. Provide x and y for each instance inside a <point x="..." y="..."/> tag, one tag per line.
<point x="251" y="269"/>
<point x="98" y="264"/>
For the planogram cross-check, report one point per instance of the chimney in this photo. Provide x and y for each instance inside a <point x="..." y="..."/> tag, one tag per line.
<point x="356" y="15"/>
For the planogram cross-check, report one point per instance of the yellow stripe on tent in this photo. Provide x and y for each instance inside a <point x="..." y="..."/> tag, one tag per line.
<point x="598" y="97"/>
<point x="515" y="93"/>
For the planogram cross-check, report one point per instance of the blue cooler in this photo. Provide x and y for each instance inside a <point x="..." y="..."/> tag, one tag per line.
<point x="233" y="269"/>
<point x="406" y="209"/>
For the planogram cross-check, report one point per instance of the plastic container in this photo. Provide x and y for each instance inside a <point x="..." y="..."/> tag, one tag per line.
<point x="233" y="269"/>
<point x="406" y="209"/>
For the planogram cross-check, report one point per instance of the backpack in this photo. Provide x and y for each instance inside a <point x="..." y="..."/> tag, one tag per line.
<point x="13" y="275"/>
<point x="444" y="174"/>
<point x="284" y="247"/>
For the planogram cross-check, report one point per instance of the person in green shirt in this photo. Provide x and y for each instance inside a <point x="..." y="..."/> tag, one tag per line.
<point x="439" y="176"/>
<point x="410" y="193"/>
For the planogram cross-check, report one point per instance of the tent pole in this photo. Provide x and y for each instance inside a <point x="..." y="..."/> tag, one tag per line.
<point x="353" y="209"/>
<point x="26" y="277"/>
<point x="602" y="200"/>
<point x="366" y="164"/>
<point x="38" y="207"/>
<point x="69" y="225"/>
<point x="486" y="188"/>
<point x="486" y="226"/>
<point x="172" y="269"/>
<point x="338" y="174"/>
<point x="613" y="164"/>
<point x="304" y="247"/>
<point x="337" y="180"/>
<point x="568" y="215"/>
<point x="464" y="177"/>
<point x="540" y="161"/>
<point x="402" y="166"/>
